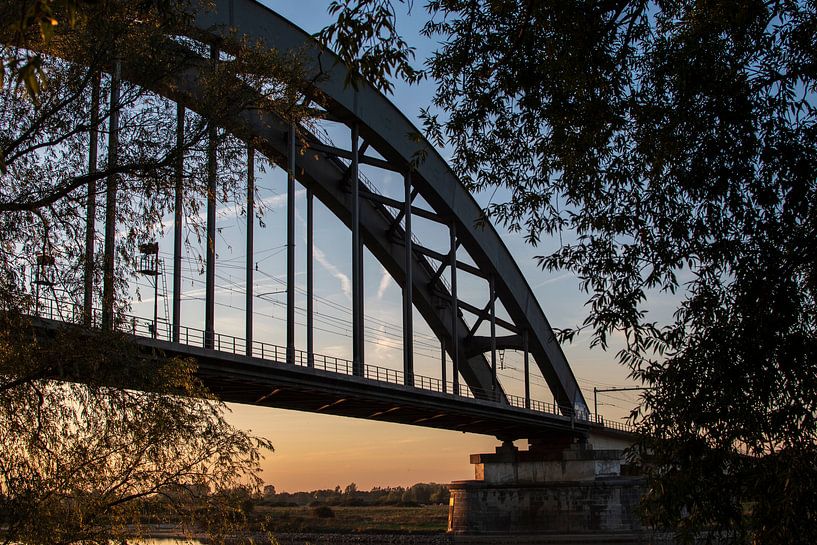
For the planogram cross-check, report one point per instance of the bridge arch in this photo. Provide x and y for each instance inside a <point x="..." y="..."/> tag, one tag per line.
<point x="383" y="127"/>
<point x="386" y="130"/>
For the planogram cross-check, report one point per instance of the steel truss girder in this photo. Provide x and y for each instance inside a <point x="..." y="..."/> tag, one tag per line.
<point x="399" y="205"/>
<point x="325" y="178"/>
<point x="461" y="266"/>
<point x="480" y="344"/>
<point x="478" y="312"/>
<point x="383" y="126"/>
<point x="362" y="158"/>
<point x="486" y="311"/>
<point x="402" y="212"/>
<point x="398" y="142"/>
<point x="439" y="272"/>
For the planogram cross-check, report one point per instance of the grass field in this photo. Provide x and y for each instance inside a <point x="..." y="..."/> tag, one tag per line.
<point x="374" y="519"/>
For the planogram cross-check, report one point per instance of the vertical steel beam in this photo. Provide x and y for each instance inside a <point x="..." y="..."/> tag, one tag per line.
<point x="291" y="244"/>
<point x="178" y="216"/>
<point x="250" y="246"/>
<point x="310" y="280"/>
<point x="210" y="279"/>
<point x="443" y="366"/>
<point x="596" y="402"/>
<point x="455" y="310"/>
<point x="492" y="289"/>
<point x="408" y="305"/>
<point x="110" y="201"/>
<point x="90" y="210"/>
<point x="527" y="368"/>
<point x="360" y="304"/>
<point x="155" y="331"/>
<point x="357" y="281"/>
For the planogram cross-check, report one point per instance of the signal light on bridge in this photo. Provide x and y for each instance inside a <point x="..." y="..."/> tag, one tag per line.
<point x="149" y="266"/>
<point x="149" y="260"/>
<point x="45" y="273"/>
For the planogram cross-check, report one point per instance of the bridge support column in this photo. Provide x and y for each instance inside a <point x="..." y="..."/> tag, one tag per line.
<point x="455" y="309"/>
<point x="90" y="219"/>
<point x="492" y="290"/>
<point x="527" y="368"/>
<point x="108" y="288"/>
<point x="408" y="305"/>
<point x="556" y="487"/>
<point x="291" y="244"/>
<point x="250" y="247"/>
<point x="443" y="366"/>
<point x="357" y="261"/>
<point x="210" y="264"/>
<point x="310" y="280"/>
<point x="177" y="225"/>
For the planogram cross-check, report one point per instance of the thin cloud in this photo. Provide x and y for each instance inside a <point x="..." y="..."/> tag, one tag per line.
<point x="554" y="279"/>
<point x="345" y="284"/>
<point x="383" y="346"/>
<point x="385" y="281"/>
<point x="278" y="201"/>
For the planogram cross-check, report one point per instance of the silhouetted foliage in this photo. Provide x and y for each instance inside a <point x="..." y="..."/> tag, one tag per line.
<point x="95" y="432"/>
<point x="92" y="437"/>
<point x="672" y="149"/>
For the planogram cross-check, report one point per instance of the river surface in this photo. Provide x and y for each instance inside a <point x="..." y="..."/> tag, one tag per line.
<point x="438" y="539"/>
<point x="332" y="539"/>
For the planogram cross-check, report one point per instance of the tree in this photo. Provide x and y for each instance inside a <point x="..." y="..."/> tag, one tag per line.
<point x="672" y="149"/>
<point x="38" y="20"/>
<point x="95" y="431"/>
<point x="82" y="456"/>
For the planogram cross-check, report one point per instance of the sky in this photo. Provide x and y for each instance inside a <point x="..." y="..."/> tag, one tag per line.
<point x="320" y="451"/>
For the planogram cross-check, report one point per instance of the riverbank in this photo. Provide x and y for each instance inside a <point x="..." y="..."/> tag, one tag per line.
<point x="427" y="519"/>
<point x="297" y="525"/>
<point x="363" y="539"/>
<point x="436" y="539"/>
<point x="383" y="525"/>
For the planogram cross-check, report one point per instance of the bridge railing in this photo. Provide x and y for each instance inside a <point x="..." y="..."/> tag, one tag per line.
<point x="610" y="424"/>
<point x="327" y="363"/>
<point x="532" y="404"/>
<point x="70" y="312"/>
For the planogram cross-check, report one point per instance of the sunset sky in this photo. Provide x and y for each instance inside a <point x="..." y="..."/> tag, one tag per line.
<point x="318" y="451"/>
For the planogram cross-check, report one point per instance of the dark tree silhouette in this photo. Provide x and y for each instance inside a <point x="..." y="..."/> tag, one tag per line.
<point x="93" y="428"/>
<point x="672" y="147"/>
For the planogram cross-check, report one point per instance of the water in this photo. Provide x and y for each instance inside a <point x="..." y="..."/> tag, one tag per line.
<point x="326" y="539"/>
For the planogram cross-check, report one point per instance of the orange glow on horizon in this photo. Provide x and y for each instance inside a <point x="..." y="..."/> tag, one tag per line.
<point x="314" y="451"/>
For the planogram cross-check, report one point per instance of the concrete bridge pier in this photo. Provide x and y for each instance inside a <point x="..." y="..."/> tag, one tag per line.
<point x="562" y="488"/>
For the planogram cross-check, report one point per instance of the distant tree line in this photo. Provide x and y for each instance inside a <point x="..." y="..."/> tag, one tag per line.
<point x="417" y="494"/>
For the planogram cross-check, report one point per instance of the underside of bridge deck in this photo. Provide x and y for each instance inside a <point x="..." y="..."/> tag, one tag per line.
<point x="253" y="381"/>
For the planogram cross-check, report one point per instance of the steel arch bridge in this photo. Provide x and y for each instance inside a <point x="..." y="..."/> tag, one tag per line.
<point x="249" y="371"/>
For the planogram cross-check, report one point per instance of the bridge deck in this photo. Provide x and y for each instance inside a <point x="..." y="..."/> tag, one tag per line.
<point x="326" y="385"/>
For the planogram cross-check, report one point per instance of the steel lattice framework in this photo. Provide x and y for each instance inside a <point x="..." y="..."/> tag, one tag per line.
<point x="378" y="124"/>
<point x="381" y="224"/>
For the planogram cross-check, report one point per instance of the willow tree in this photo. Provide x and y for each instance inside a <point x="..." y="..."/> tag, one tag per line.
<point x="95" y="431"/>
<point x="672" y="148"/>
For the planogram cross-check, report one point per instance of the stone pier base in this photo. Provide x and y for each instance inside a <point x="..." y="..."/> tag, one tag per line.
<point x="567" y="490"/>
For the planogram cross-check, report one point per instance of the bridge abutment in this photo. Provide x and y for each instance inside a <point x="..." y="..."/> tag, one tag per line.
<point x="557" y="488"/>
